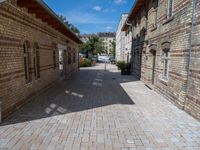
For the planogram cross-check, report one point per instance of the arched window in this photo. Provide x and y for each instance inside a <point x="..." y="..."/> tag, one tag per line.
<point x="26" y="47"/>
<point x="36" y="60"/>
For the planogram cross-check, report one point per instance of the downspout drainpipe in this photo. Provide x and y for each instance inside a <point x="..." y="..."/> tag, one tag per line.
<point x="190" y="47"/>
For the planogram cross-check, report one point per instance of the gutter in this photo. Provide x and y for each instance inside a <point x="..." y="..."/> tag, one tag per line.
<point x="190" y="47"/>
<point x="43" y="4"/>
<point x="136" y="1"/>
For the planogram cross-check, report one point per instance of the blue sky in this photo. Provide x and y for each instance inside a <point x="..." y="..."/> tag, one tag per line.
<point x="92" y="16"/>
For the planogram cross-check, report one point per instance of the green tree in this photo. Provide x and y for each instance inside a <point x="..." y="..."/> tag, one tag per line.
<point x="93" y="46"/>
<point x="113" y="51"/>
<point x="71" y="26"/>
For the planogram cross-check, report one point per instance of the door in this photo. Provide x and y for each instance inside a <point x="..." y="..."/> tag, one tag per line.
<point x="153" y="66"/>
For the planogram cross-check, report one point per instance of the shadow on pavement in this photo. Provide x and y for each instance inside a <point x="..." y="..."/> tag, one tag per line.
<point x="87" y="89"/>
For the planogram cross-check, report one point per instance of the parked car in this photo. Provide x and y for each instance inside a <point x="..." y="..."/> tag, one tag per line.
<point x="104" y="58"/>
<point x="112" y="60"/>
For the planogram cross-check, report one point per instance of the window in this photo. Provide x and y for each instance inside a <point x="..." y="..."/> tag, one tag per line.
<point x="26" y="61"/>
<point x="54" y="59"/>
<point x="165" y="64"/>
<point x="170" y="8"/>
<point x="155" y="3"/>
<point x="69" y="58"/>
<point x="36" y="59"/>
<point x="74" y="57"/>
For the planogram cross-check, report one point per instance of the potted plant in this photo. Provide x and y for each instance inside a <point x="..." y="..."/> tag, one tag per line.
<point x="124" y="67"/>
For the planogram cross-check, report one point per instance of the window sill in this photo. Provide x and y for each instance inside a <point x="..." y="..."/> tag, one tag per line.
<point x="168" y="20"/>
<point x="164" y="81"/>
<point x="154" y="28"/>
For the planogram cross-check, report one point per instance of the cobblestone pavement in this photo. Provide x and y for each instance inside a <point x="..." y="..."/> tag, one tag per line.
<point x="100" y="110"/>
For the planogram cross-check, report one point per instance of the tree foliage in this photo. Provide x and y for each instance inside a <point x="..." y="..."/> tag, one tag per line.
<point x="113" y="51"/>
<point x="93" y="46"/>
<point x="71" y="26"/>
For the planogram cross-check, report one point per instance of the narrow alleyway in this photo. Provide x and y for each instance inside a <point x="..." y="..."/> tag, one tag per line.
<point x="94" y="109"/>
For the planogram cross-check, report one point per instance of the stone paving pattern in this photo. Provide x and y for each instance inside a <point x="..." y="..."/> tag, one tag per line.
<point x="97" y="110"/>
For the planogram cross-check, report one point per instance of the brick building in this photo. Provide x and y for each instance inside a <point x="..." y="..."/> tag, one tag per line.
<point x="166" y="49"/>
<point x="36" y="48"/>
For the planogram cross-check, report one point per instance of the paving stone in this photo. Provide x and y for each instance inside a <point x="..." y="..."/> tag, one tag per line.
<point x="116" y="114"/>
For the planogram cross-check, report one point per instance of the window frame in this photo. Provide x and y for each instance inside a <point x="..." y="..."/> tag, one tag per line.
<point x="165" y="58"/>
<point x="69" y="58"/>
<point x="54" y="59"/>
<point x="26" y="48"/>
<point x="170" y="9"/>
<point x="74" y="57"/>
<point x="36" y="61"/>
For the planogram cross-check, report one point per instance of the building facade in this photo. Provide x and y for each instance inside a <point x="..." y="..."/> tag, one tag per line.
<point x="108" y="38"/>
<point x="36" y="49"/>
<point x="166" y="51"/>
<point x="120" y="39"/>
<point x="85" y="37"/>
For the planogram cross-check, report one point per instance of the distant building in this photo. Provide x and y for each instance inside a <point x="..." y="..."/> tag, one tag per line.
<point x="108" y="38"/>
<point x="85" y="37"/>
<point x="120" y="39"/>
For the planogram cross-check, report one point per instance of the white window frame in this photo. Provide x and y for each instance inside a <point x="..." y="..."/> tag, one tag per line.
<point x="166" y="77"/>
<point x="168" y="9"/>
<point x="156" y="3"/>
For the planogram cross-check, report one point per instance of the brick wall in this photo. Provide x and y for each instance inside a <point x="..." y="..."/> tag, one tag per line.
<point x="16" y="27"/>
<point x="173" y="32"/>
<point x="193" y="93"/>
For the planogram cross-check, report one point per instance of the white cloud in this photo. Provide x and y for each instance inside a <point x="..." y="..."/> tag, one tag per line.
<point x="76" y="17"/>
<point x="108" y="28"/>
<point x="120" y="1"/>
<point x="97" y="8"/>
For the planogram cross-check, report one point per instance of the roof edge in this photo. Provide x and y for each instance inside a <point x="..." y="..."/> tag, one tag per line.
<point x="132" y="9"/>
<point x="42" y="3"/>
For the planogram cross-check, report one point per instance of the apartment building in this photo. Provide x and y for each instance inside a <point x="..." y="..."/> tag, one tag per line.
<point x="108" y="38"/>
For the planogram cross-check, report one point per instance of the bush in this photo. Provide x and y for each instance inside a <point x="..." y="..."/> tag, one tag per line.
<point x="121" y="65"/>
<point x="85" y="62"/>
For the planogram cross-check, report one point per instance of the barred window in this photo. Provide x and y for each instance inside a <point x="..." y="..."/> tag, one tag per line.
<point x="36" y="60"/>
<point x="165" y="64"/>
<point x="170" y="8"/>
<point x="26" y="61"/>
